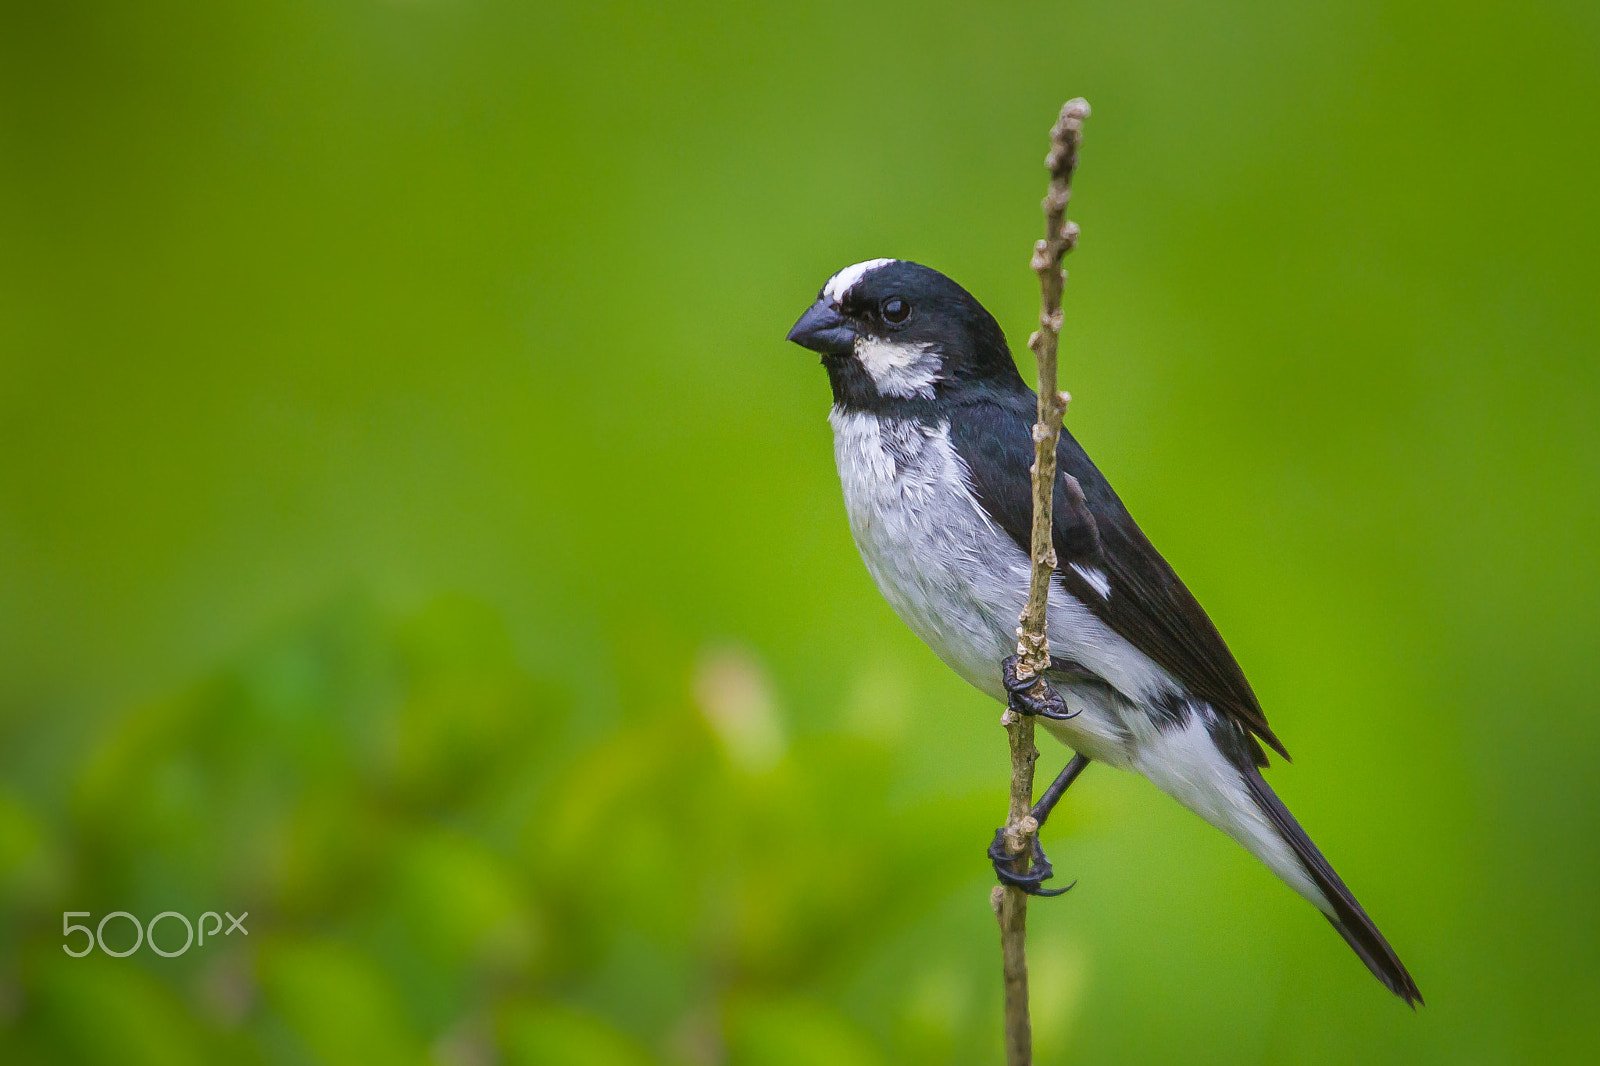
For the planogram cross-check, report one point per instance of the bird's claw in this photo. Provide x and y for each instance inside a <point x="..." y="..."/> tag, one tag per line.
<point x="1031" y="882"/>
<point x="1024" y="696"/>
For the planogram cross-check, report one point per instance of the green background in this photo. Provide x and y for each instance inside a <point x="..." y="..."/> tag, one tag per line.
<point x="415" y="531"/>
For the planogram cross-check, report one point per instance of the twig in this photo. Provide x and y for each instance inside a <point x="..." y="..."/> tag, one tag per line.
<point x="1033" y="644"/>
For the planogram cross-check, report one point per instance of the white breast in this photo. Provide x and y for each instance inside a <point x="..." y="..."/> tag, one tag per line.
<point x="958" y="580"/>
<point x="926" y="542"/>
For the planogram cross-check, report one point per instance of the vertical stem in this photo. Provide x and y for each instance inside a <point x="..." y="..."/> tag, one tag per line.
<point x="1033" y="645"/>
<point x="1010" y="903"/>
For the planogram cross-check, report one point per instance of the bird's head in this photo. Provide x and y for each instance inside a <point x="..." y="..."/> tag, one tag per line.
<point x="892" y="332"/>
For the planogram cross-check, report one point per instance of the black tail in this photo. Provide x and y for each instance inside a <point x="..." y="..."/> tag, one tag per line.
<point x="1348" y="917"/>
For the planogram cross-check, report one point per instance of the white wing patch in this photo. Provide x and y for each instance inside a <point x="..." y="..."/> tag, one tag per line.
<point x="841" y="282"/>
<point x="903" y="370"/>
<point x="1096" y="578"/>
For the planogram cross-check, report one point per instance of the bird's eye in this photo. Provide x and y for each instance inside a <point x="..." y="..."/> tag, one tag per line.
<point x="895" y="310"/>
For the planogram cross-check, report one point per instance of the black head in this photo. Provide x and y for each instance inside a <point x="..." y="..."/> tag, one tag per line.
<point x="892" y="332"/>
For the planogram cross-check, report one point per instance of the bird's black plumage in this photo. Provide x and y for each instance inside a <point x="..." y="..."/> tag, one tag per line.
<point x="1148" y="605"/>
<point x="933" y="437"/>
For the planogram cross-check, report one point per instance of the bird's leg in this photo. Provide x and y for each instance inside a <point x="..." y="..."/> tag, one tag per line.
<point x="1058" y="787"/>
<point x="1033" y="696"/>
<point x="1005" y="864"/>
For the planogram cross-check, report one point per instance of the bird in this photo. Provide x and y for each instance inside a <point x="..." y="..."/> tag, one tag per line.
<point x="932" y="435"/>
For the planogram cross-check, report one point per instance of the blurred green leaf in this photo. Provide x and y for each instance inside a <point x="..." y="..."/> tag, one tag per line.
<point x="338" y="1004"/>
<point x="97" y="1010"/>
<point x="551" y="1036"/>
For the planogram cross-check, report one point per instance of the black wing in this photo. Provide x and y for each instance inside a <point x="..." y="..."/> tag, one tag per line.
<point x="1147" y="603"/>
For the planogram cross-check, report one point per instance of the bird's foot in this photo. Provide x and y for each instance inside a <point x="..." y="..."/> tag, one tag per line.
<point x="1031" y="882"/>
<point x="1033" y="696"/>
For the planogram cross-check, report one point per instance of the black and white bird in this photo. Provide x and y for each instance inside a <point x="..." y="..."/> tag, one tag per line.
<point x="932" y="429"/>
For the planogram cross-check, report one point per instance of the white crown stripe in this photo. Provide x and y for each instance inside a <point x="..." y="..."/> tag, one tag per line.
<point x="842" y="282"/>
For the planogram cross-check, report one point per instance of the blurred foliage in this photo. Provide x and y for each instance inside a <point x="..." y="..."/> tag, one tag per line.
<point x="440" y="857"/>
<point x="327" y="326"/>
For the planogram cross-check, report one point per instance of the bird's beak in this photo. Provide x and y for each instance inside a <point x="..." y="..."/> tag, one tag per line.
<point x="824" y="330"/>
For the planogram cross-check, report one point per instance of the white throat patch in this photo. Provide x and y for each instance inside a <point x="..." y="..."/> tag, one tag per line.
<point x="906" y="371"/>
<point x="841" y="282"/>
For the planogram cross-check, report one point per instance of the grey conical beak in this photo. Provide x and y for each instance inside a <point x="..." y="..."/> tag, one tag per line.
<point x="824" y="330"/>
